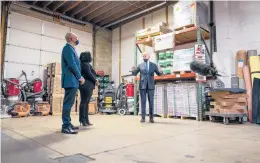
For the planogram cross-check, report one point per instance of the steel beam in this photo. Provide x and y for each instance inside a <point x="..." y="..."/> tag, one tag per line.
<point x="69" y="6"/>
<point x="131" y="9"/>
<point x="57" y="5"/>
<point x="91" y="9"/>
<point x="123" y="7"/>
<point x="102" y="10"/>
<point x="46" y="4"/>
<point x="81" y="8"/>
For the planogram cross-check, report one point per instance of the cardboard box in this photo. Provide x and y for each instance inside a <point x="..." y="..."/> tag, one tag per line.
<point x="56" y="68"/>
<point x="49" y="69"/>
<point x="56" y="85"/>
<point x="56" y="102"/>
<point x="92" y="108"/>
<point x="182" y="59"/>
<point x="186" y="12"/>
<point x="164" y="42"/>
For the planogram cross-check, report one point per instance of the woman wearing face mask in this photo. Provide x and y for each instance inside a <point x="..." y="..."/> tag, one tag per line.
<point x="86" y="89"/>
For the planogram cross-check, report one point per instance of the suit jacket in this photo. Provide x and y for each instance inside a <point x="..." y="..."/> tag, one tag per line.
<point x="70" y="66"/>
<point x="89" y="74"/>
<point x="147" y="78"/>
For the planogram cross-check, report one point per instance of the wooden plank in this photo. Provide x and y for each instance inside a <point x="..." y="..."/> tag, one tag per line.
<point x="173" y="77"/>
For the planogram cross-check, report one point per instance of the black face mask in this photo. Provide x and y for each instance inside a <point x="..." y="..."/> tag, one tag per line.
<point x="145" y="60"/>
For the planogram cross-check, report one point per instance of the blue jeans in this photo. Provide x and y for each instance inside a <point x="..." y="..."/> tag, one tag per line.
<point x="69" y="99"/>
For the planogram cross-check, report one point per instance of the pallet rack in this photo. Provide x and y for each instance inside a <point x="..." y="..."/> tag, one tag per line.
<point x="184" y="35"/>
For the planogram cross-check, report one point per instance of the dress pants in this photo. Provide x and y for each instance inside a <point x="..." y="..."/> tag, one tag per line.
<point x="85" y="95"/>
<point x="256" y="101"/>
<point x="69" y="99"/>
<point x="150" y="93"/>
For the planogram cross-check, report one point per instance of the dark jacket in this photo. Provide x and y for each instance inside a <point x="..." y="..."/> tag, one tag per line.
<point x="147" y="78"/>
<point x="88" y="72"/>
<point x="70" y="65"/>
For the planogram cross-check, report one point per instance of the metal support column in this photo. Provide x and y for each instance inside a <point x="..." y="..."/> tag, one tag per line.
<point x="135" y="83"/>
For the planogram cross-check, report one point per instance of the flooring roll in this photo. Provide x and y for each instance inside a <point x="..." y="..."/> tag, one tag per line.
<point x="241" y="61"/>
<point x="248" y="84"/>
<point x="251" y="53"/>
<point x="254" y="67"/>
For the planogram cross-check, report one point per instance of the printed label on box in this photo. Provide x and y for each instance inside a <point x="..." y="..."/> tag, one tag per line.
<point x="240" y="63"/>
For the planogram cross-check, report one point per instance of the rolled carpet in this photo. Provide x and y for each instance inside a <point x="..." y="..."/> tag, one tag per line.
<point x="246" y="73"/>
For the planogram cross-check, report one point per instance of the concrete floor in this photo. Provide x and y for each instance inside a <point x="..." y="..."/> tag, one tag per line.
<point x="117" y="139"/>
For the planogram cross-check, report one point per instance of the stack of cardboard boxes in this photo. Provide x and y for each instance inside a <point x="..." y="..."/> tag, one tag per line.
<point x="185" y="13"/>
<point x="229" y="103"/>
<point x="56" y="92"/>
<point x="182" y="59"/>
<point x="182" y="99"/>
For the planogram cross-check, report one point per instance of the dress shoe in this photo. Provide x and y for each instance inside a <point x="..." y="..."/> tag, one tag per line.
<point x="83" y="123"/>
<point x="74" y="127"/>
<point x="68" y="131"/>
<point x="151" y="121"/>
<point x="89" y="124"/>
<point x="142" y="120"/>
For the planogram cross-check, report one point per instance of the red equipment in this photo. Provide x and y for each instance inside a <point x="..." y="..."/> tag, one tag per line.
<point x="12" y="89"/>
<point x="37" y="86"/>
<point x="130" y="90"/>
<point x="100" y="73"/>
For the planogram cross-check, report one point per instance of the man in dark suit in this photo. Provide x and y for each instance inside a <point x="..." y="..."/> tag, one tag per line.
<point x="70" y="80"/>
<point x="146" y="84"/>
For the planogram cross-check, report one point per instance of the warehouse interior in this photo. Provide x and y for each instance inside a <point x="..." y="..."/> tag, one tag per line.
<point x="206" y="101"/>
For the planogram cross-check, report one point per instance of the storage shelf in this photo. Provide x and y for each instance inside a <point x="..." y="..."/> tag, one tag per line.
<point x="147" y="41"/>
<point x="173" y="77"/>
<point x="184" y="36"/>
<point x="189" y="35"/>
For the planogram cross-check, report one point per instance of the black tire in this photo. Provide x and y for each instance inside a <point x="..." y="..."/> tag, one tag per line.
<point x="122" y="112"/>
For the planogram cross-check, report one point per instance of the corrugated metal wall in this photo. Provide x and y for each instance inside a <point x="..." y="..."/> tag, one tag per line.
<point x="32" y="43"/>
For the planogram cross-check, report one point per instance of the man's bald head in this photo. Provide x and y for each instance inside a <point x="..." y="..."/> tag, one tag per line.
<point x="146" y="55"/>
<point x="71" y="38"/>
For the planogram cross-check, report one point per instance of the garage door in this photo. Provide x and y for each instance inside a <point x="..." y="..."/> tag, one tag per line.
<point x="33" y="43"/>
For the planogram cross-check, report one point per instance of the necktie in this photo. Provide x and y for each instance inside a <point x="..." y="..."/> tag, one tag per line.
<point x="146" y="67"/>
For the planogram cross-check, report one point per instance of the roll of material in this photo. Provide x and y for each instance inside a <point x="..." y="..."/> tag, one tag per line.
<point x="242" y="84"/>
<point x="241" y="61"/>
<point x="254" y="67"/>
<point x="251" y="53"/>
<point x="247" y="77"/>
<point x="234" y="82"/>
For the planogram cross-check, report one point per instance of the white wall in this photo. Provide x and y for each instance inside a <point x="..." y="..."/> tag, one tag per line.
<point x="237" y="26"/>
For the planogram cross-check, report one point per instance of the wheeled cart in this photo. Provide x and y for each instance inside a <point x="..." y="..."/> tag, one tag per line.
<point x="227" y="117"/>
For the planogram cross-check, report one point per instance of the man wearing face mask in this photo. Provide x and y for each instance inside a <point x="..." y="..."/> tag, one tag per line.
<point x="70" y="80"/>
<point x="146" y="84"/>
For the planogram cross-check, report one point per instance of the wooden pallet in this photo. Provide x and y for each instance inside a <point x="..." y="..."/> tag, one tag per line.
<point x="72" y="113"/>
<point x="155" y="115"/>
<point x="149" y="35"/>
<point x="185" y="27"/>
<point x="183" y="117"/>
<point x="181" y="72"/>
